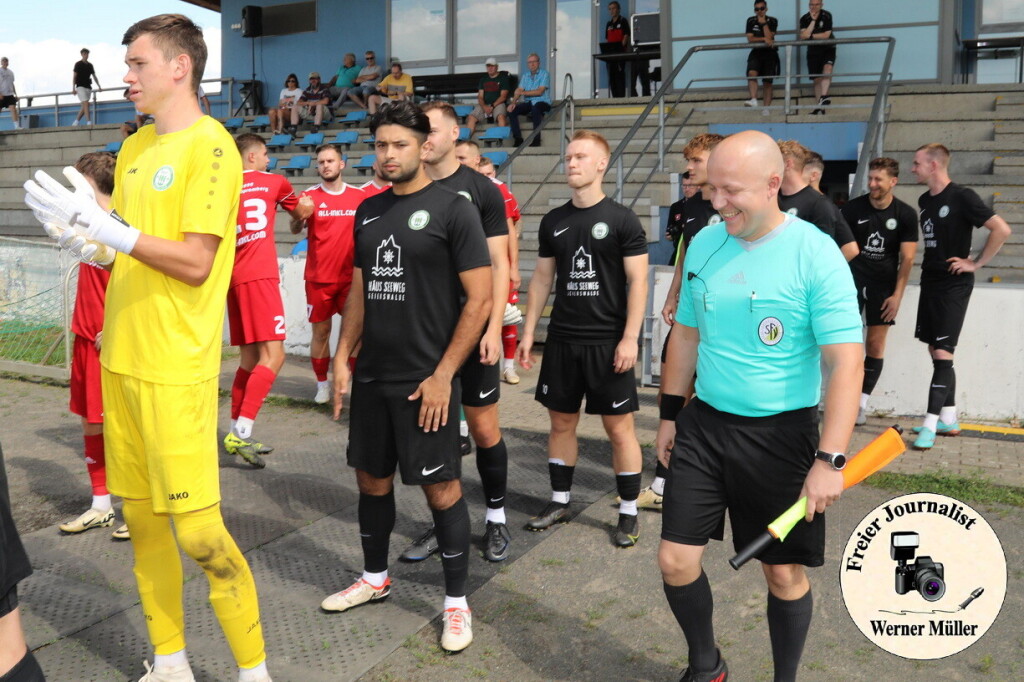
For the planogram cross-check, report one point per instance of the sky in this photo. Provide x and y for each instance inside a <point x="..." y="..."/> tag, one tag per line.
<point x="43" y="44"/>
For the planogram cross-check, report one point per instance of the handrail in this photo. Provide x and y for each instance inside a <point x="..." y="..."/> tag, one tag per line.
<point x="660" y="97"/>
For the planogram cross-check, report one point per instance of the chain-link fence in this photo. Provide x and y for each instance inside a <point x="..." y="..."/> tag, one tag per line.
<point x="37" y="285"/>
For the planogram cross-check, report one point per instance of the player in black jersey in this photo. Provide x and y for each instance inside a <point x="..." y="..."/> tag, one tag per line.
<point x="762" y="61"/>
<point x="948" y="214"/>
<point x="886" y="232"/>
<point x="814" y="168"/>
<point x="421" y="295"/>
<point x="797" y="198"/>
<point x="480" y="376"/>
<point x="674" y="226"/>
<point x="594" y="251"/>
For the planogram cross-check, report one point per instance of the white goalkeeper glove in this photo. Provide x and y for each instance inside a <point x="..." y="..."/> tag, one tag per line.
<point x="78" y="246"/>
<point x="78" y="210"/>
<point x="512" y="315"/>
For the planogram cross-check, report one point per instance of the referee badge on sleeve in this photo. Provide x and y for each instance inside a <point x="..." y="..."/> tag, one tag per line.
<point x="770" y="331"/>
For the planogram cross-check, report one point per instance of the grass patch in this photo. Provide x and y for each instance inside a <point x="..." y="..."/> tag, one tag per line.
<point x="551" y="562"/>
<point x="971" y="489"/>
<point x="24" y="342"/>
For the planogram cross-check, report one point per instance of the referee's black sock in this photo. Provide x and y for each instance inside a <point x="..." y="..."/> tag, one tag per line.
<point x="693" y="607"/>
<point x="872" y="370"/>
<point x="660" y="470"/>
<point x="452" y="527"/>
<point x="788" y="622"/>
<point x="943" y="377"/>
<point x="492" y="463"/>
<point x="561" y="477"/>
<point x="25" y="670"/>
<point x="628" y="486"/>
<point x="950" y="400"/>
<point x="376" y="521"/>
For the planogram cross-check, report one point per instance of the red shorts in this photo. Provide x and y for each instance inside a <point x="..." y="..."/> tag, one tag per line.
<point x="323" y="300"/>
<point x="255" y="312"/>
<point x="86" y="393"/>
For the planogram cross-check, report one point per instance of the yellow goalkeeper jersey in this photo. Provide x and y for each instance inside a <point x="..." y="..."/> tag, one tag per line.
<point x="157" y="328"/>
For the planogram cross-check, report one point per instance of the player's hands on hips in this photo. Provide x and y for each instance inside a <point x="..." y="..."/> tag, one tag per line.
<point x="523" y="355"/>
<point x="434" y="393"/>
<point x="890" y="307"/>
<point x="822" y="487"/>
<point x="490" y="346"/>
<point x="341" y="380"/>
<point x="625" y="355"/>
<point x="960" y="266"/>
<point x="664" y="441"/>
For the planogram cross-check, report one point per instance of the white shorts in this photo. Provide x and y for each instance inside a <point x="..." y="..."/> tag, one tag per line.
<point x="83" y="93"/>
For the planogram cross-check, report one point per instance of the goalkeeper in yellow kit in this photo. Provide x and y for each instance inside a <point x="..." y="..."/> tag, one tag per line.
<point x="172" y="229"/>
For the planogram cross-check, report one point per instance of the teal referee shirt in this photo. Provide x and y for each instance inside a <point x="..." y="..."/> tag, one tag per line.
<point x="762" y="309"/>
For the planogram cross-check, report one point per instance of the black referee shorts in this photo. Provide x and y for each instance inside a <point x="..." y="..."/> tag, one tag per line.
<point x="570" y="371"/>
<point x="384" y="434"/>
<point x="941" y="312"/>
<point x="764" y="63"/>
<point x="481" y="384"/>
<point x="754" y="467"/>
<point x="870" y="297"/>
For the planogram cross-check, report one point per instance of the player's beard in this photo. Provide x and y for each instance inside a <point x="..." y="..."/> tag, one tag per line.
<point x="402" y="175"/>
<point x="330" y="178"/>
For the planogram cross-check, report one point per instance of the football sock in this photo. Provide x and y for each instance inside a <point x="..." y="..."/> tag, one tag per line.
<point x="320" y="367"/>
<point x="788" y="622"/>
<point x="943" y="377"/>
<point x="948" y="414"/>
<point x="463" y="427"/>
<point x="492" y="463"/>
<point x="864" y="397"/>
<point x="170" y="660"/>
<point x="658" y="485"/>
<point x="375" y="579"/>
<point x="508" y="343"/>
<point x="455" y="603"/>
<point x="243" y="427"/>
<point x="452" y="528"/>
<point x="254" y="674"/>
<point x="101" y="502"/>
<point x="628" y="485"/>
<point x="256" y="391"/>
<point x="660" y="470"/>
<point x="950" y="400"/>
<point x="693" y="607"/>
<point x="376" y="521"/>
<point x="96" y="464"/>
<point x="561" y="480"/>
<point x="872" y="370"/>
<point x="238" y="391"/>
<point x="25" y="670"/>
<point x="931" y="421"/>
<point x="158" y="573"/>
<point x="202" y="535"/>
<point x="495" y="515"/>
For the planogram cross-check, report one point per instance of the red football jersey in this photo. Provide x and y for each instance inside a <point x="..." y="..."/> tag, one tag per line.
<point x="87" y="320"/>
<point x="371" y="188"/>
<point x="331" y="233"/>
<point x="255" y="252"/>
<point x="511" y="205"/>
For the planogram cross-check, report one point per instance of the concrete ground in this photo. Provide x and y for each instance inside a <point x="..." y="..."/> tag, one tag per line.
<point x="566" y="606"/>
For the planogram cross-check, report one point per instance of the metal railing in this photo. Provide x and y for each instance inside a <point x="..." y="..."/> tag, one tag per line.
<point x="665" y="98"/>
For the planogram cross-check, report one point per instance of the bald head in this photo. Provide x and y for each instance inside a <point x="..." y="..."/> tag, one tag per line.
<point x="745" y="173"/>
<point x="753" y="152"/>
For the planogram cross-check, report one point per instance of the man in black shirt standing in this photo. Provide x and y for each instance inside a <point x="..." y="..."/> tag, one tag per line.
<point x="480" y="376"/>
<point x="419" y="250"/>
<point x="81" y="86"/>
<point x="948" y="214"/>
<point x="616" y="32"/>
<point x="886" y="232"/>
<point x="798" y="198"/>
<point x="595" y="252"/>
<point x="817" y="25"/>
<point x="762" y="61"/>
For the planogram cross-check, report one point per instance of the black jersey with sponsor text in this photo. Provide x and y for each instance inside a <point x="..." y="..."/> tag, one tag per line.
<point x="589" y="245"/>
<point x="879" y="234"/>
<point x="484" y="194"/>
<point x="411" y="249"/>
<point x="946" y="223"/>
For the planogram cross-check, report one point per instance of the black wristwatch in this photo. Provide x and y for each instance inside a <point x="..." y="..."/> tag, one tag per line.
<point x="836" y="460"/>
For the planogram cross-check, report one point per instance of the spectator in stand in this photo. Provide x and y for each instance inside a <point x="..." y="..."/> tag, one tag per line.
<point x="616" y="32"/>
<point x="367" y="80"/>
<point x="312" y="103"/>
<point x="532" y="98"/>
<point x="491" y="97"/>
<point x="343" y="81"/>
<point x="8" y="94"/>
<point x="81" y="84"/>
<point x="396" y="86"/>
<point x="817" y="25"/>
<point x="287" y="100"/>
<point x="762" y="61"/>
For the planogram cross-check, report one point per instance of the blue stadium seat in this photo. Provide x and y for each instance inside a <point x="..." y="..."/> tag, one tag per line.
<point x="353" y="117"/>
<point x="370" y="140"/>
<point x="364" y="164"/>
<point x="279" y="141"/>
<point x="463" y="110"/>
<point x="112" y="147"/>
<point x="260" y="123"/>
<point x="496" y="134"/>
<point x="273" y="163"/>
<point x="464" y="133"/>
<point x="297" y="164"/>
<point x="300" y="248"/>
<point x="497" y="158"/>
<point x="346" y="138"/>
<point x="311" y="140"/>
<point x="233" y="124"/>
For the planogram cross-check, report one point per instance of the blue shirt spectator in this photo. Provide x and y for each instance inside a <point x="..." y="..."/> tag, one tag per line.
<point x="535" y="80"/>
<point x="532" y="98"/>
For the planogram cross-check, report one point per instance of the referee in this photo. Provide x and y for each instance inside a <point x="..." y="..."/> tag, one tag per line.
<point x="418" y="249"/>
<point x="765" y="296"/>
<point x="948" y="214"/>
<point x="886" y="232"/>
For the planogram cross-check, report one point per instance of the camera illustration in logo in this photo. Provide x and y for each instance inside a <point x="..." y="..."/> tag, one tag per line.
<point x="924" y="575"/>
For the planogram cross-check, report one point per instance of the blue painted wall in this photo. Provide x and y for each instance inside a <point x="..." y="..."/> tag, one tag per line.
<point x="834" y="141"/>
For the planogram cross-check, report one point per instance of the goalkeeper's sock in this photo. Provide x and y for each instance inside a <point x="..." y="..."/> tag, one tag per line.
<point x="96" y="464"/>
<point x="238" y="391"/>
<point x="509" y="340"/>
<point x="320" y="367"/>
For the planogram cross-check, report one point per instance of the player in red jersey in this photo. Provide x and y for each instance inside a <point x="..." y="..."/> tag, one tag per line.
<point x="86" y="394"/>
<point x="377" y="184"/>
<point x="255" y="309"/>
<point x="331" y="224"/>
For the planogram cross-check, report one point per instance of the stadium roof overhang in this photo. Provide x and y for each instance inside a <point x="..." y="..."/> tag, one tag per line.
<point x="207" y="4"/>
